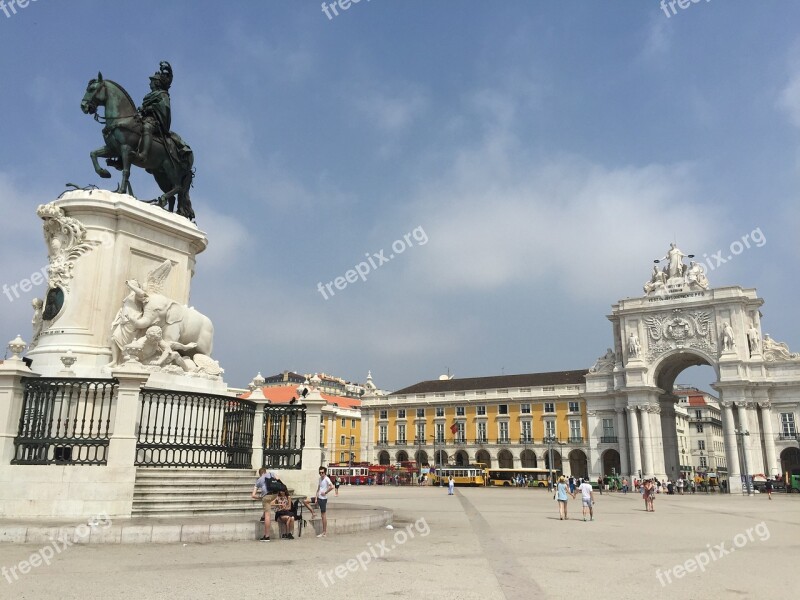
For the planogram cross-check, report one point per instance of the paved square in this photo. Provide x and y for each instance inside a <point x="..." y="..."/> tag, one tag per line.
<point x="479" y="544"/>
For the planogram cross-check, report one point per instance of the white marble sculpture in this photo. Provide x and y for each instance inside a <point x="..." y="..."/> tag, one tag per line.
<point x="160" y="333"/>
<point x="753" y="340"/>
<point x="37" y="322"/>
<point x="66" y="242"/>
<point x="676" y="276"/>
<point x="728" y="342"/>
<point x="604" y="364"/>
<point x="777" y="350"/>
<point x="634" y="346"/>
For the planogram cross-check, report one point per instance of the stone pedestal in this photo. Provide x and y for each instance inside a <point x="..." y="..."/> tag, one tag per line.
<point x="108" y="239"/>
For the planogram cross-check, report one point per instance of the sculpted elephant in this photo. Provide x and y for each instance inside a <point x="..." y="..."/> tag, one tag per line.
<point x="178" y="323"/>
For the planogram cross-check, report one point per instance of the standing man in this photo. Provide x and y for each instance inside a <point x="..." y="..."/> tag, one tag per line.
<point x="587" y="498"/>
<point x="451" y="486"/>
<point x="324" y="486"/>
<point x="261" y="490"/>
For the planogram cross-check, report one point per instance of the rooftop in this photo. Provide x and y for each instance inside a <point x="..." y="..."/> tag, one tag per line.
<point x="495" y="382"/>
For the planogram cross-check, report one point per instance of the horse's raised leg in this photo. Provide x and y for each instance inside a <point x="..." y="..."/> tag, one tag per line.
<point x="104" y="152"/>
<point x="124" y="186"/>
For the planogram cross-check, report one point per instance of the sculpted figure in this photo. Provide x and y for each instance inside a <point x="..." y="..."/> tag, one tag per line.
<point x="37" y="322"/>
<point x="158" y="352"/>
<point x="753" y="339"/>
<point x="604" y="364"/>
<point x="728" y="343"/>
<point x="179" y="323"/>
<point x="697" y="275"/>
<point x="675" y="261"/>
<point x="123" y="331"/>
<point x="777" y="350"/>
<point x="634" y="346"/>
<point x="657" y="282"/>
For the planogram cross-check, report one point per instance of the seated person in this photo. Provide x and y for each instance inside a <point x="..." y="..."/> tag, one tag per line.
<point x="284" y="513"/>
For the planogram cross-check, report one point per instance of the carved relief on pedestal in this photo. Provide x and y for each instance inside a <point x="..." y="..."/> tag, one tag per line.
<point x="634" y="346"/>
<point x="66" y="242"/>
<point x="727" y="338"/>
<point x="679" y="329"/>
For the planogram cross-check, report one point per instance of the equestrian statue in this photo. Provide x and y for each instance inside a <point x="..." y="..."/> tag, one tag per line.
<point x="142" y="138"/>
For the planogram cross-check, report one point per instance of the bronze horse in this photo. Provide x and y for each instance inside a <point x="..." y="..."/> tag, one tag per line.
<point x="122" y="133"/>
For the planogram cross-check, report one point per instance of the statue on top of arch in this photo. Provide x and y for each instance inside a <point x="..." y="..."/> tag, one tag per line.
<point x="676" y="276"/>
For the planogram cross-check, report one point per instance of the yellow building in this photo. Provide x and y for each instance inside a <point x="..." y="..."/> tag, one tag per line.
<point x="505" y="421"/>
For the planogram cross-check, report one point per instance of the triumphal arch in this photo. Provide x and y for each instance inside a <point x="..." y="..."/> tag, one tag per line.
<point x="680" y="321"/>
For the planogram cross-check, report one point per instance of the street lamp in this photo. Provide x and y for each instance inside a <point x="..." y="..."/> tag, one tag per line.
<point x="740" y="433"/>
<point x="550" y="440"/>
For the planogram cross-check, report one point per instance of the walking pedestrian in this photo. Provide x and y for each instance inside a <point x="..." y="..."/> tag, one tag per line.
<point x="768" y="488"/>
<point x="587" y="498"/>
<point x="561" y="496"/>
<point x="624" y="485"/>
<point x="336" y="485"/>
<point x="261" y="491"/>
<point x="451" y="486"/>
<point x="324" y="486"/>
<point x="600" y="484"/>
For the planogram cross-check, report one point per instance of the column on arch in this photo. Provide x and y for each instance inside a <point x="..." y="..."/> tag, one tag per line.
<point x="633" y="434"/>
<point x="744" y="425"/>
<point x="647" y="441"/>
<point x="731" y="448"/>
<point x="772" y="465"/>
<point x="622" y="439"/>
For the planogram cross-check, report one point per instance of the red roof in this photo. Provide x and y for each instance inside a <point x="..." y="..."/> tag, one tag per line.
<point x="284" y="393"/>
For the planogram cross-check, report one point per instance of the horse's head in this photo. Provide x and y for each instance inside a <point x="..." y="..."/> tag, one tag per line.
<point x="95" y="95"/>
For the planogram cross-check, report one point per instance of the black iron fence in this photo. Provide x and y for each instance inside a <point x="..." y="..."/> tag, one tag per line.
<point x="187" y="429"/>
<point x="64" y="421"/>
<point x="284" y="435"/>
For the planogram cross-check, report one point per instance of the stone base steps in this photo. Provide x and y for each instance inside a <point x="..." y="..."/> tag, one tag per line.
<point x="194" y="492"/>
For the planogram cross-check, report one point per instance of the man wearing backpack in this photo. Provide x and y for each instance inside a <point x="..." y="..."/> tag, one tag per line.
<point x="261" y="490"/>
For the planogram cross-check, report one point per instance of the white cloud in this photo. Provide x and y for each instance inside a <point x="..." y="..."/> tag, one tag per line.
<point x="789" y="99"/>
<point x="392" y="108"/>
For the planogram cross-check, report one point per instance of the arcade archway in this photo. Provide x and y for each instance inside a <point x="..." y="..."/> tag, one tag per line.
<point x="528" y="459"/>
<point x="462" y="458"/>
<point x="383" y="458"/>
<point x="578" y="464"/>
<point x="483" y="457"/>
<point x="505" y="459"/>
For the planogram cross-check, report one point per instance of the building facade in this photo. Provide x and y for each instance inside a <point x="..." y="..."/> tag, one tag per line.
<point x="505" y="421"/>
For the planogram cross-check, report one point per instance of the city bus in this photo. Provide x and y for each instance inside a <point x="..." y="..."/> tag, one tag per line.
<point x="352" y="474"/>
<point x="471" y="475"/>
<point x="531" y="477"/>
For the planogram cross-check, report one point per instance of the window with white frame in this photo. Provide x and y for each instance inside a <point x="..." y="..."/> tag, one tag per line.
<point x="352" y="422"/>
<point x="384" y="414"/>
<point x="440" y="432"/>
<point x="549" y="407"/>
<point x="608" y="428"/>
<point x="341" y="457"/>
<point x="701" y="444"/>
<point x="482" y="431"/>
<point x="401" y="413"/>
<point x="574" y="407"/>
<point x="341" y="441"/>
<point x="788" y="428"/>
<point x="525" y="408"/>
<point x="699" y="428"/>
<point x="401" y="433"/>
<point x="440" y="411"/>
<point x="421" y="432"/>
<point x="352" y="440"/>
<point x="503" y="426"/>
<point x="526" y="431"/>
<point x="480" y="410"/>
<point x="575" y="428"/>
<point x="460" y="411"/>
<point x="502" y="409"/>
<point x="550" y="429"/>
<point x="382" y="434"/>
<point x="703" y="462"/>
<point x="460" y="437"/>
<point x="421" y="413"/>
<point x="344" y="422"/>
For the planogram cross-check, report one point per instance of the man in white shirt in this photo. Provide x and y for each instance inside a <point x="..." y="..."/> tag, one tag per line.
<point x="587" y="497"/>
<point x="324" y="486"/>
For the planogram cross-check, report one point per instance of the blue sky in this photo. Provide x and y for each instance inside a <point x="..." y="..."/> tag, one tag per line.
<point x="548" y="152"/>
